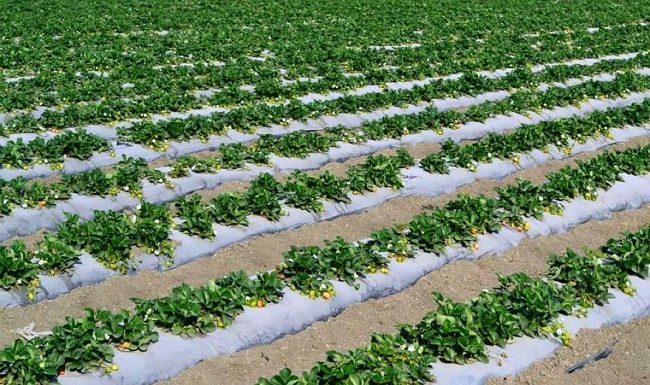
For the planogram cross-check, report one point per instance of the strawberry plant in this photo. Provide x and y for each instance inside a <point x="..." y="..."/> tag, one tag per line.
<point x="17" y="268"/>
<point x="630" y="253"/>
<point x="264" y="203"/>
<point x="266" y="287"/>
<point x="23" y="363"/>
<point x="110" y="236"/>
<point x="535" y="301"/>
<point x="130" y="171"/>
<point x="235" y="155"/>
<point x="151" y="229"/>
<point x="449" y="333"/>
<point x="496" y="324"/>
<point x="302" y="191"/>
<point x="94" y="182"/>
<point x="333" y="188"/>
<point x="180" y="312"/>
<point x="230" y="209"/>
<point x="107" y="237"/>
<point x="258" y="291"/>
<point x="196" y="219"/>
<point x="460" y="221"/>
<point x="378" y="171"/>
<point x="188" y="311"/>
<point x="55" y="256"/>
<point x="588" y="275"/>
<point x="524" y="199"/>
<point x="308" y="269"/>
<point x="300" y="143"/>
<point x="75" y="144"/>
<point x="387" y="359"/>
<point x="184" y="164"/>
<point x="262" y="197"/>
<point x="393" y="241"/>
<point x="268" y="183"/>
<point x="79" y="344"/>
<point x="128" y="332"/>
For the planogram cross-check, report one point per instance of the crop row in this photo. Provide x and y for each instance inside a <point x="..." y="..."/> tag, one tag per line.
<point x="257" y="114"/>
<point x="129" y="173"/>
<point x="89" y="342"/>
<point x="304" y="53"/>
<point x="77" y="144"/>
<point x="305" y="191"/>
<point x="300" y="144"/>
<point x="540" y="136"/>
<point x="461" y="332"/>
<point x="103" y="35"/>
<point x="247" y="118"/>
<point x="113" y="109"/>
<point x="111" y="236"/>
<point x="156" y="42"/>
<point x="141" y="103"/>
<point x="85" y="86"/>
<point x="83" y="145"/>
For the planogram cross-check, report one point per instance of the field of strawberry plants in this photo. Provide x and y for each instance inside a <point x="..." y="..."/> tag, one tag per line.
<point x="304" y="192"/>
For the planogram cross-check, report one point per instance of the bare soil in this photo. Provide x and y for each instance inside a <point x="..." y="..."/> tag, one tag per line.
<point x="629" y="364"/>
